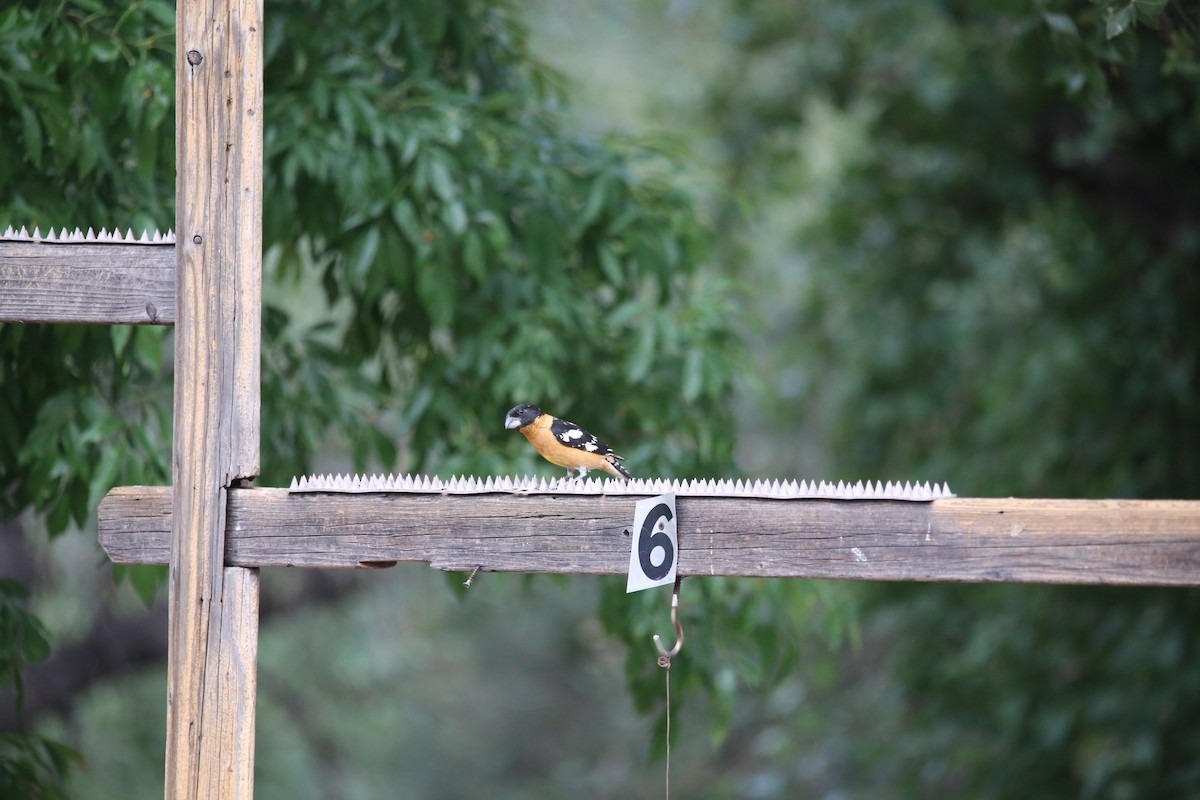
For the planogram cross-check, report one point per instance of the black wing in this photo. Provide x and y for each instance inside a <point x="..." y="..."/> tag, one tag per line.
<point x="572" y="435"/>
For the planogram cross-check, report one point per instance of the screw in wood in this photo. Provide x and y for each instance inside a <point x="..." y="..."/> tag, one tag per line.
<point x="474" y="572"/>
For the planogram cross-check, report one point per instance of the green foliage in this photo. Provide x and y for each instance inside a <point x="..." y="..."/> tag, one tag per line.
<point x="993" y="240"/>
<point x="739" y="635"/>
<point x="76" y="427"/>
<point x="488" y="258"/>
<point x="33" y="766"/>
<point x="470" y="254"/>
<point x="30" y="766"/>
<point x="1086" y="692"/>
<point x="88" y="98"/>
<point x="438" y="248"/>
<point x="22" y="638"/>
<point x="85" y="105"/>
<point x="998" y="248"/>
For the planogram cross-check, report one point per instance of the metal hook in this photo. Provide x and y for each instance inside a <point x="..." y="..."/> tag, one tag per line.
<point x="665" y="656"/>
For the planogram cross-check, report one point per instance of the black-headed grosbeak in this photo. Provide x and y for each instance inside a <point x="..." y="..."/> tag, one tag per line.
<point x="564" y="443"/>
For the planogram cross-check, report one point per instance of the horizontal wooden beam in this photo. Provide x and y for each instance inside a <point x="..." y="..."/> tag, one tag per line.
<point x="106" y="284"/>
<point x="1129" y="542"/>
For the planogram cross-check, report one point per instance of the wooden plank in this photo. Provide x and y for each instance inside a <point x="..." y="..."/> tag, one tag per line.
<point x="219" y="206"/>
<point x="1129" y="542"/>
<point x="135" y="521"/>
<point x="227" y="739"/>
<point x="102" y="284"/>
<point x="218" y="297"/>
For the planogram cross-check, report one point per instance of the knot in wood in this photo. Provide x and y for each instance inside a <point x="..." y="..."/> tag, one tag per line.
<point x="194" y="57"/>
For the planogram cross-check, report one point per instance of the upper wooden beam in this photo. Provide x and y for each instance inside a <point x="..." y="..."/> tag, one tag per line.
<point x="103" y="284"/>
<point x="1129" y="542"/>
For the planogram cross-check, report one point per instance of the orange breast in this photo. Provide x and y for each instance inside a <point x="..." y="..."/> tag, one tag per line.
<point x="539" y="435"/>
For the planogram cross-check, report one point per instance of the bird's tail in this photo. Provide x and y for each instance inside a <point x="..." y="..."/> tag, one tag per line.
<point x="617" y="471"/>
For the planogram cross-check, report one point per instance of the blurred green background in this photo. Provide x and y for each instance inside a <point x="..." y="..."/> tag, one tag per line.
<point x="942" y="241"/>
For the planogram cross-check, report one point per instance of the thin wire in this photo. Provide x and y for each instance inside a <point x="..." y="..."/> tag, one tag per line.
<point x="668" y="670"/>
<point x="664" y="661"/>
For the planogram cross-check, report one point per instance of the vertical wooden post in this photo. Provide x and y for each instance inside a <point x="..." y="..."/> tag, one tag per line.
<point x="214" y="609"/>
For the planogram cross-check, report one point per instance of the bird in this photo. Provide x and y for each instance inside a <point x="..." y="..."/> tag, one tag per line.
<point x="564" y="443"/>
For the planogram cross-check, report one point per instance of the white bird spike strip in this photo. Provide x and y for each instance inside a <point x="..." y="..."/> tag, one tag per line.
<point x="63" y="236"/>
<point x="526" y="484"/>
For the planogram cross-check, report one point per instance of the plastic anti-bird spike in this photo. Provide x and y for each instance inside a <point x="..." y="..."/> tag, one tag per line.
<point x="148" y="236"/>
<point x="647" y="487"/>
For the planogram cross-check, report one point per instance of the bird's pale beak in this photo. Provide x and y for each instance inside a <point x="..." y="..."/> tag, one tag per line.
<point x="511" y="422"/>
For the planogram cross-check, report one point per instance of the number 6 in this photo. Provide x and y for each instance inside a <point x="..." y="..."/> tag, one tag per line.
<point x="648" y="539"/>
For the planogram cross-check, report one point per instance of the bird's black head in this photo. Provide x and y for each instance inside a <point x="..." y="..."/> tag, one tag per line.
<point x="522" y="415"/>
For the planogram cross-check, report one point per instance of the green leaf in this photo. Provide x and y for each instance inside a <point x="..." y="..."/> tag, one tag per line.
<point x="9" y="19"/>
<point x="145" y="580"/>
<point x="436" y="294"/>
<point x="693" y="374"/>
<point x="643" y="357"/>
<point x="473" y="256"/>
<point x="103" y="50"/>
<point x="363" y="252"/>
<point x="59" y="517"/>
<point x="405" y="217"/>
<point x="104" y="476"/>
<point x="120" y="335"/>
<point x="611" y="265"/>
<point x="454" y="215"/>
<point x="89" y="152"/>
<point x="35" y="646"/>
<point x="147" y="153"/>
<point x="439" y="178"/>
<point x="31" y="131"/>
<point x="1061" y="23"/>
<point x="1118" y="20"/>
<point x="62" y="757"/>
<point x="596" y="200"/>
<point x="148" y="343"/>
<point x="412" y="143"/>
<point x="10" y="588"/>
<point x="1148" y="11"/>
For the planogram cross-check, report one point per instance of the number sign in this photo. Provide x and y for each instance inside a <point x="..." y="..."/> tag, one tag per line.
<point x="652" y="555"/>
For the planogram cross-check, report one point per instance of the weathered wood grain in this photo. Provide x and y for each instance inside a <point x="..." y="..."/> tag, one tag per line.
<point x="103" y="284"/>
<point x="1130" y="542"/>
<point x="227" y="740"/>
<point x="210" y="709"/>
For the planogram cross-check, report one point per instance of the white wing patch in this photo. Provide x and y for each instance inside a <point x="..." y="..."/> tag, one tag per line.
<point x="572" y="435"/>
